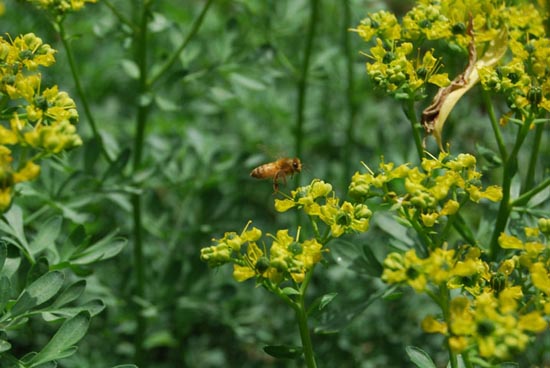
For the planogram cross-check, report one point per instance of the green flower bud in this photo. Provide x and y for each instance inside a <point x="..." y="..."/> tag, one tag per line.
<point x="534" y="95"/>
<point x="262" y="264"/>
<point x="295" y="248"/>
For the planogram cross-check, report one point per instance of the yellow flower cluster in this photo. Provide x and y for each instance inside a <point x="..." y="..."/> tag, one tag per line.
<point x="426" y="194"/>
<point x="61" y="7"/>
<point x="524" y="78"/>
<point x="319" y="202"/>
<point x="38" y="122"/>
<point x="397" y="67"/>
<point x="288" y="258"/>
<point x="497" y="311"/>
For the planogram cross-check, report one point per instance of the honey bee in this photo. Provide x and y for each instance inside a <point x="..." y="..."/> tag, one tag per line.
<point x="277" y="170"/>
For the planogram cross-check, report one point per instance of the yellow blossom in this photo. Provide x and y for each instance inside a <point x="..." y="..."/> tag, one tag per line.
<point x="431" y="325"/>
<point x="509" y="242"/>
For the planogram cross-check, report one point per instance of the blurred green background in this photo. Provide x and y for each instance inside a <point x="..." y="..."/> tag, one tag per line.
<point x="228" y="104"/>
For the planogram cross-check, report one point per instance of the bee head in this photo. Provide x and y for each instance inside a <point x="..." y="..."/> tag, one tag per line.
<point x="297" y="164"/>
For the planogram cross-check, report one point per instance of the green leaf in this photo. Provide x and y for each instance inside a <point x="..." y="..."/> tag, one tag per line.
<point x="61" y="344"/>
<point x="13" y="225"/>
<point x="40" y="268"/>
<point x="326" y="299"/>
<point x="93" y="307"/>
<point x="166" y="104"/>
<point x="3" y="253"/>
<point x="126" y="366"/>
<point x="4" y="346"/>
<point x="48" y="232"/>
<point x="394" y="229"/>
<point x="290" y="291"/>
<point x="118" y="165"/>
<point x="130" y="68"/>
<point x="368" y="263"/>
<point x="419" y="357"/>
<point x="40" y="291"/>
<point x="69" y="294"/>
<point x="320" y="303"/>
<point x="284" y="351"/>
<point x="247" y="82"/>
<point x="5" y="286"/>
<point x="105" y="248"/>
<point x="344" y="318"/>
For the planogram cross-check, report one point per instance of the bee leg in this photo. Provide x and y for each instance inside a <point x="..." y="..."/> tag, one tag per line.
<point x="276" y="181"/>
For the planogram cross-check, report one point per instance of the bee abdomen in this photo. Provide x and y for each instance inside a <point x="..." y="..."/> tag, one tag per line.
<point x="262" y="172"/>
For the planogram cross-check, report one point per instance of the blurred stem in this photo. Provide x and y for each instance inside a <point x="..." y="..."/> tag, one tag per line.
<point x="444" y="301"/>
<point x="416" y="128"/>
<point x="143" y="107"/>
<point x="301" y="315"/>
<point x="194" y="29"/>
<point x="530" y="178"/>
<point x="350" y="97"/>
<point x="495" y="126"/>
<point x="299" y="307"/>
<point x="79" y="89"/>
<point x="119" y="15"/>
<point x="303" y="77"/>
<point x="508" y="172"/>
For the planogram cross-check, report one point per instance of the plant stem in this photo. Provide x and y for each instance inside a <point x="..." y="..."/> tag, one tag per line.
<point x="535" y="147"/>
<point x="350" y="95"/>
<point x="80" y="90"/>
<point x="443" y="301"/>
<point x="301" y="315"/>
<point x="140" y="42"/>
<point x="194" y="29"/>
<point x="303" y="77"/>
<point x="495" y="126"/>
<point x="416" y="128"/>
<point x="508" y="172"/>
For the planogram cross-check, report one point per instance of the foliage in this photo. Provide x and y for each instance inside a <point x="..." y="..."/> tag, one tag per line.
<point x="429" y="258"/>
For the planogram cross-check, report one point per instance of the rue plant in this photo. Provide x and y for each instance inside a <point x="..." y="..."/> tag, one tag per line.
<point x="42" y="265"/>
<point x="480" y="249"/>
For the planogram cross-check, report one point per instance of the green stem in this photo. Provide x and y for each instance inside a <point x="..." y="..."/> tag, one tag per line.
<point x="301" y="315"/>
<point x="416" y="128"/>
<point x="303" y="77"/>
<point x="444" y="304"/>
<point x="350" y="96"/>
<point x="80" y="90"/>
<point x="194" y="29"/>
<point x="300" y="309"/>
<point x="120" y="15"/>
<point x="140" y="42"/>
<point x="495" y="126"/>
<point x="508" y="172"/>
<point x="530" y="177"/>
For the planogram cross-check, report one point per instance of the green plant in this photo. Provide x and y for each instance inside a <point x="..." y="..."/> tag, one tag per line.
<point x="486" y="274"/>
<point x="37" y="273"/>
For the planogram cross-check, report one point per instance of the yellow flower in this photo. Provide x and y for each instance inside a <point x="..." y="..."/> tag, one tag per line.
<point x="532" y="322"/>
<point x="431" y="325"/>
<point x="539" y="277"/>
<point x="252" y="265"/>
<point x="29" y="172"/>
<point x="429" y="219"/>
<point x="407" y="268"/>
<point x="509" y="242"/>
<point x="450" y="208"/>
